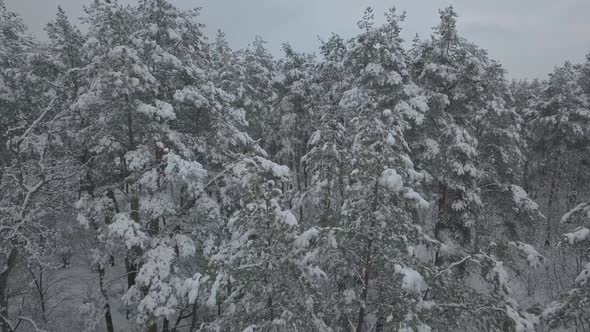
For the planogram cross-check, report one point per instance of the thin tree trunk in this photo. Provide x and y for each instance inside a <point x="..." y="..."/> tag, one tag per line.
<point x="89" y="185"/>
<point x="271" y="316"/>
<point x="441" y="220"/>
<point x="550" y="201"/>
<point x="38" y="282"/>
<point x="365" y="293"/>
<point x="367" y="269"/>
<point x="42" y="297"/>
<point x="10" y="264"/>
<point x="130" y="264"/>
<point x="153" y="327"/>
<point x="103" y="292"/>
<point x="194" y="316"/>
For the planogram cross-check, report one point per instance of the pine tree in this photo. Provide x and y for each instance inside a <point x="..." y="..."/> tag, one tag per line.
<point x="262" y="265"/>
<point x="560" y="130"/>
<point x="34" y="164"/>
<point x="458" y="145"/>
<point x="142" y="172"/>
<point x="292" y="116"/>
<point x="257" y="96"/>
<point x="571" y="309"/>
<point x="360" y="165"/>
<point x="449" y="69"/>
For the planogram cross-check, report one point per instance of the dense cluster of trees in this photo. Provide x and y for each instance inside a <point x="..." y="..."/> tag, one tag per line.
<point x="373" y="187"/>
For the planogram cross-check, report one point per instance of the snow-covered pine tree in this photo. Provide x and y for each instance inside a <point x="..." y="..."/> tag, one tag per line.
<point x="263" y="269"/>
<point x="34" y="170"/>
<point x="560" y="130"/>
<point x="449" y="69"/>
<point x="572" y="307"/>
<point x="143" y="173"/>
<point x="66" y="52"/>
<point x="257" y="96"/>
<point x="228" y="71"/>
<point x="292" y="117"/>
<point x="328" y="145"/>
<point x="161" y="134"/>
<point x="360" y="164"/>
<point x="456" y="144"/>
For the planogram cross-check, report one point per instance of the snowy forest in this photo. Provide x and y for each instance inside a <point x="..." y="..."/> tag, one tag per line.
<point x="153" y="179"/>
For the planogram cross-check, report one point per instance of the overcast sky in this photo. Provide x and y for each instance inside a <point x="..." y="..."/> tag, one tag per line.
<point x="529" y="37"/>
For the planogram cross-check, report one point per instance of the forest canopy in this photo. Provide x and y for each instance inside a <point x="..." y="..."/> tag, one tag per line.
<point x="153" y="179"/>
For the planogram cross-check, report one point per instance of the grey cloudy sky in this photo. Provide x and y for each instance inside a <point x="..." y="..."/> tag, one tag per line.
<point x="529" y="37"/>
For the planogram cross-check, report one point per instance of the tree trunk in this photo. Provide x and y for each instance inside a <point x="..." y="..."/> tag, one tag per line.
<point x="365" y="293"/>
<point x="10" y="264"/>
<point x="153" y="327"/>
<point x="441" y="220"/>
<point x="130" y="264"/>
<point x="103" y="292"/>
<point x="194" y="316"/>
<point x="550" y="201"/>
<point x="38" y="282"/>
<point x="367" y="268"/>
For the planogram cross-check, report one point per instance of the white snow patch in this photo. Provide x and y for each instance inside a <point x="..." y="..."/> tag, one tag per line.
<point x="212" y="300"/>
<point x="390" y="139"/>
<point x="183" y="170"/>
<point x="186" y="246"/>
<point x="289" y="218"/>
<point x="412" y="280"/>
<point x="391" y="180"/>
<point x="172" y="34"/>
<point x="423" y="328"/>
<point x="583" y="206"/>
<point x="192" y="287"/>
<point x="417" y="199"/>
<point x="128" y="230"/>
<point x="157" y="266"/>
<point x="407" y="161"/>
<point x="522" y="200"/>
<point x="306" y="237"/>
<point x="532" y="256"/>
<point x="502" y="275"/>
<point x="279" y="171"/>
<point x="315" y="138"/>
<point x="83" y="221"/>
<point x="161" y="110"/>
<point x="581" y="234"/>
<point x="582" y="278"/>
<point x="521" y="324"/>
<point x="332" y="240"/>
<point x="349" y="296"/>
